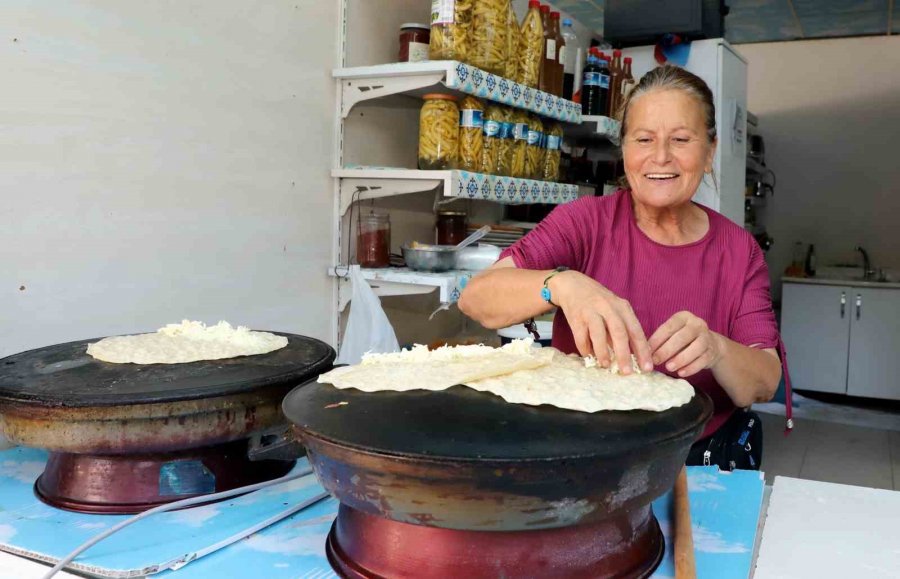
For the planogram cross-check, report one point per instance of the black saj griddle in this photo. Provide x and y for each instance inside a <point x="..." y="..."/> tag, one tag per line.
<point x="127" y="437"/>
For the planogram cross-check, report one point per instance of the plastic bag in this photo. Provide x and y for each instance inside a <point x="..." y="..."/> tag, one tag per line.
<point x="368" y="328"/>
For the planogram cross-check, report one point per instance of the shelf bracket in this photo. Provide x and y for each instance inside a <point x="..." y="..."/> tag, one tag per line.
<point x="361" y="189"/>
<point x="359" y="90"/>
<point x="381" y="288"/>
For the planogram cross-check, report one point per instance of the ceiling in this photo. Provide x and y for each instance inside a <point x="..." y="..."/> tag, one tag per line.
<point x="777" y="20"/>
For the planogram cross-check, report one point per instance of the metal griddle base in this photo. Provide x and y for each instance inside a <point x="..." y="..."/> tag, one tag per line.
<point x="363" y="546"/>
<point x="132" y="483"/>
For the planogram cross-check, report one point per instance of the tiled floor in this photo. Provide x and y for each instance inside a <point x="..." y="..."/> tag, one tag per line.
<point x="831" y="452"/>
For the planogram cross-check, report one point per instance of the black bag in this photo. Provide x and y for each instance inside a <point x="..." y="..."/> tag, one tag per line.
<point x="737" y="444"/>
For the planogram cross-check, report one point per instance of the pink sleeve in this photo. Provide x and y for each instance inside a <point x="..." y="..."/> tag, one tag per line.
<point x="556" y="241"/>
<point x="755" y="319"/>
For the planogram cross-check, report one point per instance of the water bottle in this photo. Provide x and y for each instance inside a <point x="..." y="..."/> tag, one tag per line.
<point x="572" y="61"/>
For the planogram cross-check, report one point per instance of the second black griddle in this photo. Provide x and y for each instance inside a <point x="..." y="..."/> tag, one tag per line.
<point x="64" y="375"/>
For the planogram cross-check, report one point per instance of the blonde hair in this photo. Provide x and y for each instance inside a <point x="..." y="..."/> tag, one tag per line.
<point x="670" y="77"/>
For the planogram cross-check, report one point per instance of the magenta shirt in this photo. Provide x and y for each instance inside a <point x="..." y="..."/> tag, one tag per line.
<point x="722" y="278"/>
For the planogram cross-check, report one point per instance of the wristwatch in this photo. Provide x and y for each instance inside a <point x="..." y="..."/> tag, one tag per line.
<point x="545" y="291"/>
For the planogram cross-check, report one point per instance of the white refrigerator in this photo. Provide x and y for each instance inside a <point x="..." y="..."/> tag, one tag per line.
<point x="725" y="71"/>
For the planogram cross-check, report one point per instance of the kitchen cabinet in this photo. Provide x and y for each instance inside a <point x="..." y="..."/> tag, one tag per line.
<point x="843" y="338"/>
<point x="815" y="327"/>
<point x="874" y="358"/>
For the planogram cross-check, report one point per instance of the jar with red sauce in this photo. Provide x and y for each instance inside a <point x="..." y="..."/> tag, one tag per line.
<point x="373" y="240"/>
<point x="414" y="42"/>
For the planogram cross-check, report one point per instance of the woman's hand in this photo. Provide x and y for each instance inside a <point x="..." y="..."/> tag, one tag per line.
<point x="600" y="319"/>
<point x="686" y="345"/>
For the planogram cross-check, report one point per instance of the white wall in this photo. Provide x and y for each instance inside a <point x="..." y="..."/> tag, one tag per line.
<point x="161" y="160"/>
<point x="829" y="111"/>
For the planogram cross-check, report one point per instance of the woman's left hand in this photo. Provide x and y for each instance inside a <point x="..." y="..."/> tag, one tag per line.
<point x="686" y="345"/>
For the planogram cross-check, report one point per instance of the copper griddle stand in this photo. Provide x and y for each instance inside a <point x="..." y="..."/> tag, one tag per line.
<point x="363" y="546"/>
<point x="132" y="483"/>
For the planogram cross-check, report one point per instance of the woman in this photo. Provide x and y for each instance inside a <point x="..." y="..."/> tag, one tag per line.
<point x="647" y="261"/>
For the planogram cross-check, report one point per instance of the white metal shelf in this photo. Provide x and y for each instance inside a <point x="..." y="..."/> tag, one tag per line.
<point x="358" y="184"/>
<point x="595" y="129"/>
<point x="364" y="83"/>
<point x="399" y="281"/>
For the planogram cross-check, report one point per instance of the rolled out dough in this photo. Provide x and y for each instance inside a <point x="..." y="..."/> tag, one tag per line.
<point x="186" y="342"/>
<point x="518" y="373"/>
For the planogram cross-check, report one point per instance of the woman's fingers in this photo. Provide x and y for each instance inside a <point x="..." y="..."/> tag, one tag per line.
<point x="697" y="352"/>
<point x="638" y="339"/>
<point x="597" y="331"/>
<point x="582" y="336"/>
<point x="618" y="335"/>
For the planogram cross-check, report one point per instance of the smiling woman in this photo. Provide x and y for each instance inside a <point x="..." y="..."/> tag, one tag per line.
<point x="648" y="261"/>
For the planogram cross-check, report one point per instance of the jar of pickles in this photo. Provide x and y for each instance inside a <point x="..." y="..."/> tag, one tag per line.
<point x="438" y="132"/>
<point x="519" y="148"/>
<point x="451" y="21"/>
<point x="373" y="240"/>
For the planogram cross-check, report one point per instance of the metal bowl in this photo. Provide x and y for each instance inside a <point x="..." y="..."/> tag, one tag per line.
<point x="430" y="257"/>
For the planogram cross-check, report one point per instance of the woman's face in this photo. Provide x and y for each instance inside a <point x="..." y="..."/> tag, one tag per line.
<point x="666" y="150"/>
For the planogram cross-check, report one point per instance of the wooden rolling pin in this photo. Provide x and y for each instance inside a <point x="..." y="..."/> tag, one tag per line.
<point x="685" y="566"/>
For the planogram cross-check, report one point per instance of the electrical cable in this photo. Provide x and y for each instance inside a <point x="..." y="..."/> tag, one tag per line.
<point x="172" y="506"/>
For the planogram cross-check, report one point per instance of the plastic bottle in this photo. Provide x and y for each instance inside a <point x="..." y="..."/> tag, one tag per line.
<point x="560" y="54"/>
<point x="572" y="60"/>
<point x="628" y="82"/>
<point x="548" y="62"/>
<point x="595" y="88"/>
<point x="810" y="266"/>
<point x="615" y="83"/>
<point x="531" y="48"/>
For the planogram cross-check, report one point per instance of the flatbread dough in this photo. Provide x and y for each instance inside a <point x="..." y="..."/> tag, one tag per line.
<point x="518" y="373"/>
<point x="186" y="342"/>
<point x="569" y="382"/>
<point x="421" y="369"/>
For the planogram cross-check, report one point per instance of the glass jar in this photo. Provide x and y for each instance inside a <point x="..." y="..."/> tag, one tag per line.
<point x="450" y="227"/>
<point x="450" y="24"/>
<point x="438" y="132"/>
<point x="471" y="134"/>
<point x="493" y="117"/>
<point x="552" y="153"/>
<point x="488" y="46"/>
<point x="534" y="155"/>
<point x="373" y="240"/>
<point x="414" y="39"/>
<point x="519" y="147"/>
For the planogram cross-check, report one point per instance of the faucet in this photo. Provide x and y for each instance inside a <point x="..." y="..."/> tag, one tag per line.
<point x="868" y="272"/>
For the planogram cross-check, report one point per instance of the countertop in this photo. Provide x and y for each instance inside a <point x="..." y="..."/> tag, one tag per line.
<point x="842" y="281"/>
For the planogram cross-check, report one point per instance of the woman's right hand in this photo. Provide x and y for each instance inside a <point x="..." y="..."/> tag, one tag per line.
<point x="599" y="320"/>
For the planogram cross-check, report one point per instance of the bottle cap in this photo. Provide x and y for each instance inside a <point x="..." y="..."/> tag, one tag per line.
<point x="627" y="60"/>
<point x="567" y="22"/>
<point x="554" y="16"/>
<point x="617" y="52"/>
<point x="545" y="8"/>
<point x="534" y="4"/>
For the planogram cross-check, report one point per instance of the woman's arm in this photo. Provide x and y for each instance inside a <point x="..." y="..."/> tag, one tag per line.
<point x="686" y="345"/>
<point x="505" y="295"/>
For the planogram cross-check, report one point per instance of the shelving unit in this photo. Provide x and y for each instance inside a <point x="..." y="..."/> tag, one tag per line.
<point x="594" y="130"/>
<point x="365" y="136"/>
<point x="415" y="79"/>
<point x="358" y="184"/>
<point x="397" y="281"/>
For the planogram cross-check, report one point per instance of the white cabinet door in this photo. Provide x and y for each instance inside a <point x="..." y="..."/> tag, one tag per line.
<point x="875" y="344"/>
<point x="815" y="326"/>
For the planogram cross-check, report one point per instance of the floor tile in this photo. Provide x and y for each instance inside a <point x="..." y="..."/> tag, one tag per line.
<point x="783" y="455"/>
<point x="895" y="457"/>
<point x="849" y="455"/>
